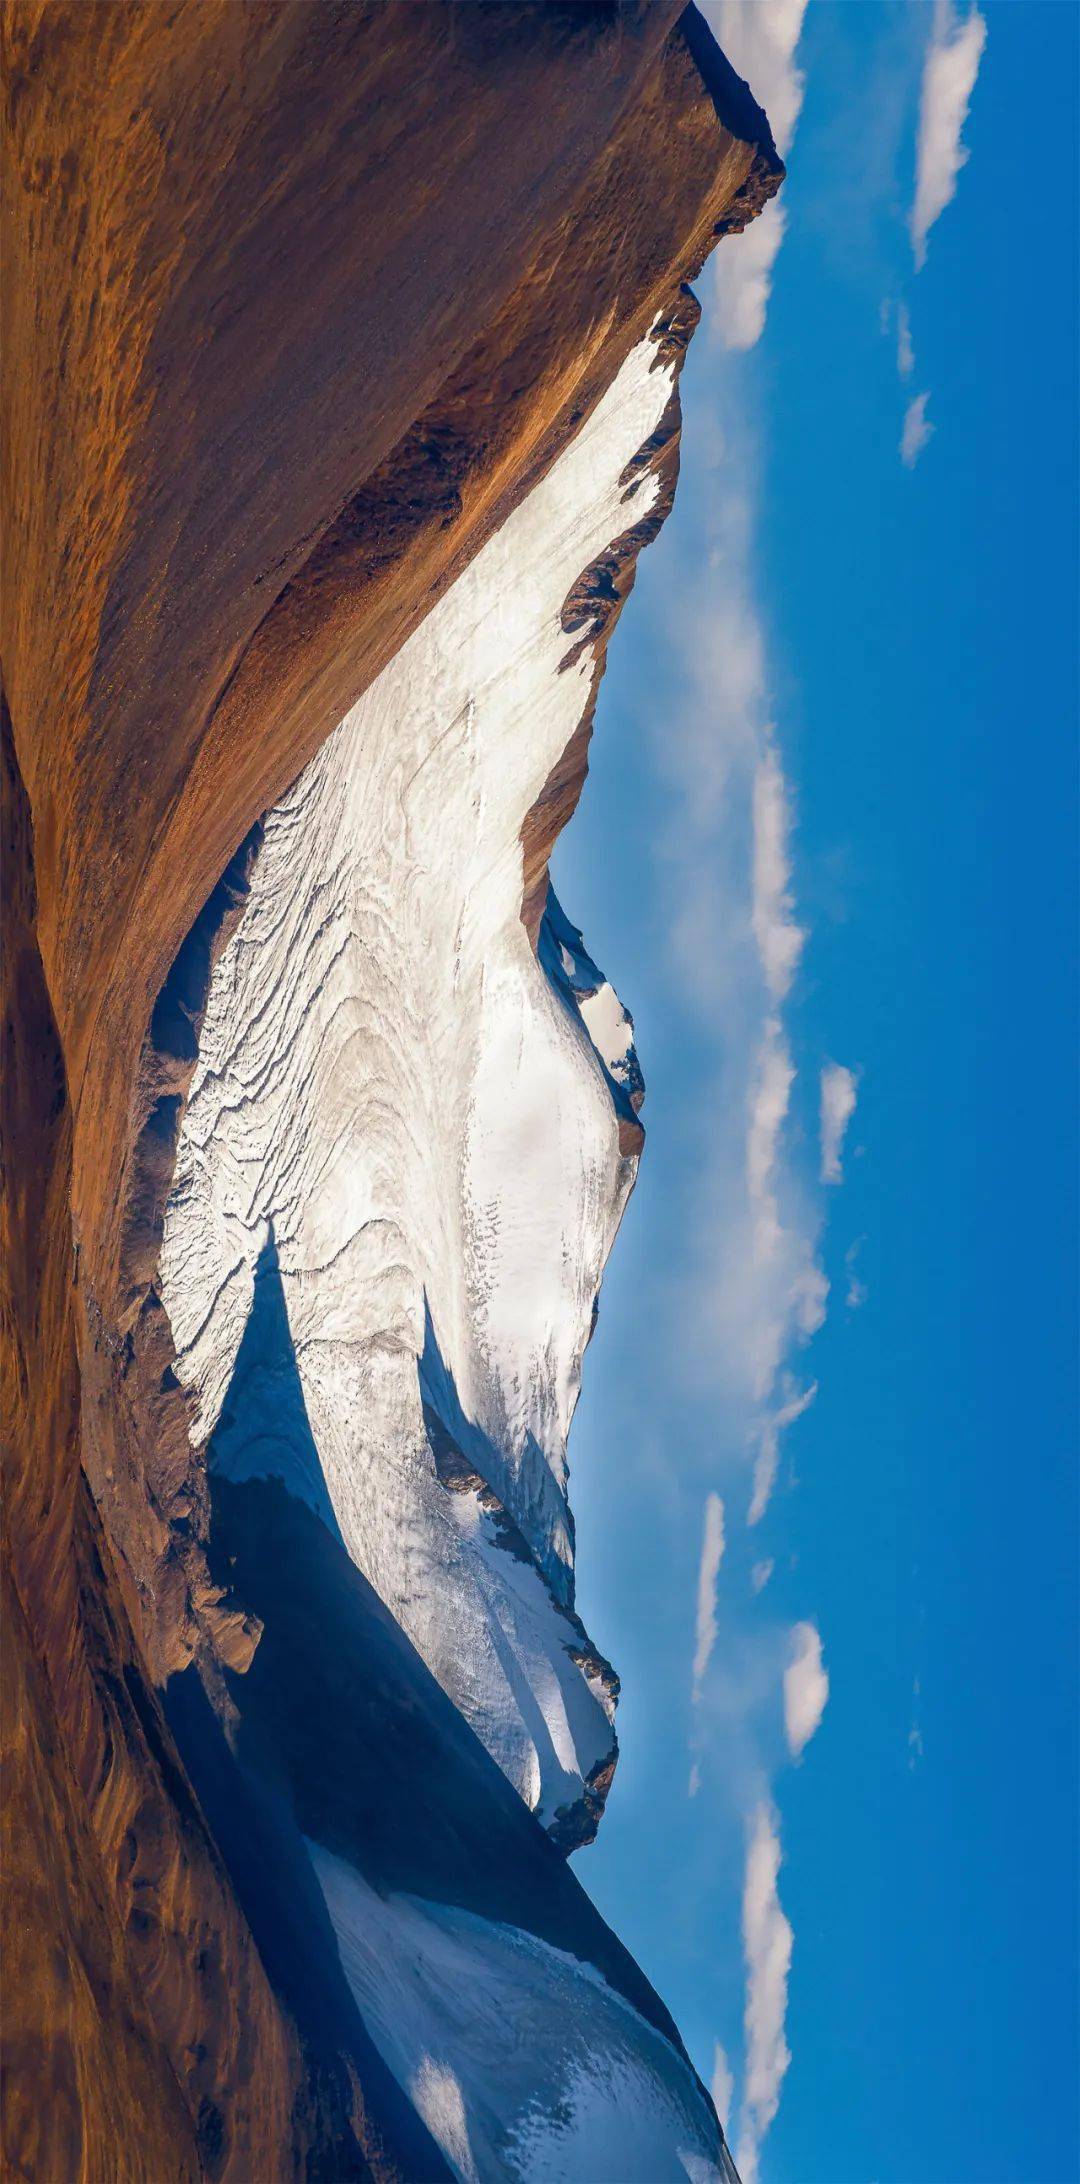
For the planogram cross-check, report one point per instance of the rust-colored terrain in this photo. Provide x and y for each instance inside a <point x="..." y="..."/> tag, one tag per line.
<point x="298" y="298"/>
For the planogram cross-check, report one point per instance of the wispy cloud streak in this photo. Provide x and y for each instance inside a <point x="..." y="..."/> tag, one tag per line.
<point x="770" y="1096"/>
<point x="905" y="347"/>
<point x="857" y="1291"/>
<point x="754" y="1288"/>
<point x="950" y="68"/>
<point x="780" y="940"/>
<point x="767" y="1460"/>
<point x="723" y="2086"/>
<point x="767" y="1945"/>
<point x="712" y="1554"/>
<point x="839" y="1092"/>
<point x="806" y="1688"/>
<point x="917" y="431"/>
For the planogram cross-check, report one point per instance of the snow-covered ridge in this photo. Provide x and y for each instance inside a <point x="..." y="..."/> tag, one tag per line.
<point x="421" y="1136"/>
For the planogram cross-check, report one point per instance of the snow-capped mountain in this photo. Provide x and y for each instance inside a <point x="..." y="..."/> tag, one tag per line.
<point x="430" y="1120"/>
<point x="342" y="399"/>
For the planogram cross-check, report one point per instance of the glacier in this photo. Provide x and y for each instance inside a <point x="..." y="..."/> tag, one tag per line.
<point x="438" y="1127"/>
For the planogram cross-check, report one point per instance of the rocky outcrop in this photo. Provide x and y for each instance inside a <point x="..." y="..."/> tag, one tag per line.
<point x="300" y="301"/>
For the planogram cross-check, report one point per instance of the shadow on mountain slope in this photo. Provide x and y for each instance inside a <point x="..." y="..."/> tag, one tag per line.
<point x="339" y="1729"/>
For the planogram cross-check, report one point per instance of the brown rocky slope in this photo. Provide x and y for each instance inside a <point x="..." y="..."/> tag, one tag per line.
<point x="298" y="298"/>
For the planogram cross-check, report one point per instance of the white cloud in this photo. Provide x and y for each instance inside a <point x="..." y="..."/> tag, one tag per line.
<point x="760" y="1574"/>
<point x="951" y="66"/>
<point x="857" y="1291"/>
<point x="780" y="941"/>
<point x="915" y="1735"/>
<point x="767" y="1943"/>
<point x="760" y="38"/>
<point x="916" y="432"/>
<point x="905" y="347"/>
<point x="712" y="1554"/>
<point x="806" y="1688"/>
<point x="722" y="2087"/>
<point x="752" y="1287"/>
<point x="767" y="1460"/>
<point x="694" y="1784"/>
<point x="839" y="1091"/>
<point x="743" y="277"/>
<point x="769" y="1291"/>
<point x="768" y="1103"/>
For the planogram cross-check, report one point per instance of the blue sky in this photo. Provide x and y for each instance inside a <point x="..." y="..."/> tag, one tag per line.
<point x="832" y="820"/>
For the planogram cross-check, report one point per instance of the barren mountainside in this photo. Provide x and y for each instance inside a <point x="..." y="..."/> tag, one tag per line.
<point x="340" y="395"/>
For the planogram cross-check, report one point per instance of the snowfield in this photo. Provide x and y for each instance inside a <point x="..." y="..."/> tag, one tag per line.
<point x="522" y="2061"/>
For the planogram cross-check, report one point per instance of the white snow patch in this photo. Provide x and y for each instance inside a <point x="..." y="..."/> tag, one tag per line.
<point x="436" y="2096"/>
<point x="609" y="1026"/>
